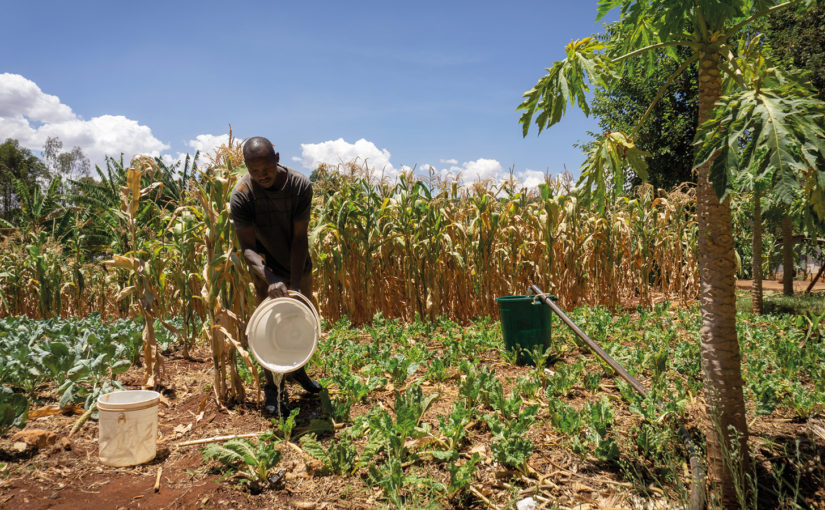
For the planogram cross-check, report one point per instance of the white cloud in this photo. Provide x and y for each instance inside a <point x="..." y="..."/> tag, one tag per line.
<point x="207" y="144"/>
<point x="30" y="115"/>
<point x="20" y="96"/>
<point x="334" y="152"/>
<point x="530" y="178"/>
<point x="469" y="172"/>
<point x="179" y="159"/>
<point x="481" y="170"/>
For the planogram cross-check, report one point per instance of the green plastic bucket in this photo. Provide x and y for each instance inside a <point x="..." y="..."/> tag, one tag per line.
<point x="525" y="323"/>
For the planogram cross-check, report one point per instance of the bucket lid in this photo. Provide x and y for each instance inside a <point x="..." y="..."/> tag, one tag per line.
<point x="128" y="400"/>
<point x="283" y="333"/>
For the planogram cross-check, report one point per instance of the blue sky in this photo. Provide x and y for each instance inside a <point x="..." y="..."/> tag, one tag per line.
<point x="419" y="83"/>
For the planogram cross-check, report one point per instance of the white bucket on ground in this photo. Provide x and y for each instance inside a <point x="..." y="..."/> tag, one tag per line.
<point x="128" y="427"/>
<point x="283" y="333"/>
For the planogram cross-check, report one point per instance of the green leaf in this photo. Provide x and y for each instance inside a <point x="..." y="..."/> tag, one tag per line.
<point x="14" y="409"/>
<point x="121" y="366"/>
<point x="287" y="425"/>
<point x="219" y="452"/>
<point x="565" y="83"/>
<point x="461" y="476"/>
<point x="444" y="456"/>
<point x="78" y="371"/>
<point x="244" y="450"/>
<point x="769" y="132"/>
<point x="67" y="396"/>
<point x="609" y="159"/>
<point x="312" y="446"/>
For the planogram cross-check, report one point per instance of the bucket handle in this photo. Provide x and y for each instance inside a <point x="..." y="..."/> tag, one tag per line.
<point x="297" y="295"/>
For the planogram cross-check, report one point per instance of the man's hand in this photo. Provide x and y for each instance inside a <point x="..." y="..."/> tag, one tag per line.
<point x="277" y="289"/>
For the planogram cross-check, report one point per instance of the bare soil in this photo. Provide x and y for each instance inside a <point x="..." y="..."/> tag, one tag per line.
<point x="777" y="285"/>
<point x="69" y="476"/>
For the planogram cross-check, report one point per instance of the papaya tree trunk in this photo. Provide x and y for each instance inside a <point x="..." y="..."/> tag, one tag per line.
<point x="726" y="430"/>
<point x="787" y="255"/>
<point x="756" y="288"/>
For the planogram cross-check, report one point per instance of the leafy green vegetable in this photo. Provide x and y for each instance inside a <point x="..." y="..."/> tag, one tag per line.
<point x="255" y="460"/>
<point x="14" y="409"/>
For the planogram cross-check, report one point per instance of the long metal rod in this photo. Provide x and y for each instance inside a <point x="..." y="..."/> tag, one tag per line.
<point x="596" y="348"/>
<point x="697" y="489"/>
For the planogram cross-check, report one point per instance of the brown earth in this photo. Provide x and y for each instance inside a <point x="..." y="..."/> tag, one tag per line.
<point x="777" y="286"/>
<point x="73" y="478"/>
<point x="69" y="476"/>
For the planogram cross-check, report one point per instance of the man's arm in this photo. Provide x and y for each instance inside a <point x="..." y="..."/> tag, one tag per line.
<point x="298" y="257"/>
<point x="246" y="238"/>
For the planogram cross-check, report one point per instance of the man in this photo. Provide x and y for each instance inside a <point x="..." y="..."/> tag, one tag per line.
<point x="270" y="209"/>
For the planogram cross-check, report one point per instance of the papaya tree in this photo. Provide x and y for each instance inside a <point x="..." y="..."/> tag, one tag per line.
<point x="778" y="121"/>
<point x="754" y="72"/>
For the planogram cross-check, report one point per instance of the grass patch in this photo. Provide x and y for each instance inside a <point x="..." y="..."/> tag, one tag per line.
<point x="779" y="304"/>
<point x="798" y="304"/>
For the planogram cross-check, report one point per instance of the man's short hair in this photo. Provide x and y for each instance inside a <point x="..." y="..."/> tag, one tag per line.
<point x="258" y="147"/>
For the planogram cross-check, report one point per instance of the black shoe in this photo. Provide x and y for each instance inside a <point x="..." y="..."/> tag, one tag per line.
<point x="300" y="376"/>
<point x="271" y="401"/>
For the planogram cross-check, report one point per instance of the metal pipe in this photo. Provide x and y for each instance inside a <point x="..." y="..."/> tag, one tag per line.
<point x="697" y="490"/>
<point x="596" y="348"/>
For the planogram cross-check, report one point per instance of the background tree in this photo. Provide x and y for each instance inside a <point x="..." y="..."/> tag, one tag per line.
<point x="668" y="134"/>
<point x="799" y="42"/>
<point x="17" y="163"/>
<point x="70" y="165"/>
<point x="98" y="203"/>
<point x="798" y="39"/>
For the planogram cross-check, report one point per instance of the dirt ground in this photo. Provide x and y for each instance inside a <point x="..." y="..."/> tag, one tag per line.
<point x="777" y="286"/>
<point x="68" y="475"/>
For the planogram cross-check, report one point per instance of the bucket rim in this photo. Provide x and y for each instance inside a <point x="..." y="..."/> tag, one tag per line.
<point x="515" y="298"/>
<point x="297" y="301"/>
<point x="106" y="405"/>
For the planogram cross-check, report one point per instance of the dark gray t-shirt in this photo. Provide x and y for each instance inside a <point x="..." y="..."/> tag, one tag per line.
<point x="273" y="213"/>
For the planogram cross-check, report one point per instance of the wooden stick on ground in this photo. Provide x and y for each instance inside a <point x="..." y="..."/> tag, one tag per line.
<point x="480" y="496"/>
<point x="157" y="479"/>
<point x="83" y="419"/>
<point x="219" y="438"/>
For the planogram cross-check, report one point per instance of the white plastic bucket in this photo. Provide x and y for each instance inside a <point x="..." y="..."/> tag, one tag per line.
<point x="283" y="333"/>
<point x="128" y="427"/>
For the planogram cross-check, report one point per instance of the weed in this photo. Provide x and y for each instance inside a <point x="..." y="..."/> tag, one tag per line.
<point x="254" y="461"/>
<point x="437" y="370"/>
<point x="286" y="425"/>
<point x="461" y="476"/>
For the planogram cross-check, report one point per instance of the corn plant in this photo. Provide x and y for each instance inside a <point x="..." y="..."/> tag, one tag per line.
<point x="226" y="290"/>
<point x="182" y="231"/>
<point x="144" y="267"/>
<point x="432" y="249"/>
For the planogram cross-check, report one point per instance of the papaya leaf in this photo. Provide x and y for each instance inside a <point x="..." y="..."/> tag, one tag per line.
<point x="768" y="132"/>
<point x="607" y="162"/>
<point x="566" y="82"/>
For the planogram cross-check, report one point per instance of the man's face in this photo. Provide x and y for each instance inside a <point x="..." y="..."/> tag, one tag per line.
<point x="263" y="170"/>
